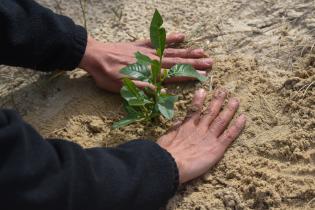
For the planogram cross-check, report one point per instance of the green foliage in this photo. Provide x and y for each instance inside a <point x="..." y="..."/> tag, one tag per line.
<point x="165" y="105"/>
<point x="137" y="71"/>
<point x="147" y="104"/>
<point x="185" y="70"/>
<point x="158" y="34"/>
<point x="143" y="59"/>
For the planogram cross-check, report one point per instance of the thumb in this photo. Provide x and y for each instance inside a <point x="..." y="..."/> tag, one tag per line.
<point x="142" y="85"/>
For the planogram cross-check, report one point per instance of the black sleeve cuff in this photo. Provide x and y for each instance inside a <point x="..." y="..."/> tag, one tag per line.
<point x="161" y="173"/>
<point x="174" y="172"/>
<point x="166" y="161"/>
<point x="79" y="46"/>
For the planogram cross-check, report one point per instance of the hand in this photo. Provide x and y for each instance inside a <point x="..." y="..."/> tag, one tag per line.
<point x="200" y="142"/>
<point x="104" y="60"/>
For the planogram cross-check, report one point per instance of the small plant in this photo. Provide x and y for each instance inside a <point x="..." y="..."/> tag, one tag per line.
<point x="148" y="104"/>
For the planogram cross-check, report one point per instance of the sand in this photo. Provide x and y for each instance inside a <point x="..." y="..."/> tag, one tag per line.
<point x="264" y="54"/>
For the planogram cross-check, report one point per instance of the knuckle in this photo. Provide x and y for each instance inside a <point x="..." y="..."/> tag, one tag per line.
<point x="182" y="51"/>
<point x="224" y="143"/>
<point x="153" y="56"/>
<point x="169" y="52"/>
<point x="238" y="127"/>
<point x="211" y="114"/>
<point x="199" y="62"/>
<point x="192" y="122"/>
<point x="229" y="136"/>
<point x="177" y="60"/>
<point x="230" y="108"/>
<point x="196" y="107"/>
<point x="188" y="51"/>
<point x="220" y="121"/>
<point x="181" y="60"/>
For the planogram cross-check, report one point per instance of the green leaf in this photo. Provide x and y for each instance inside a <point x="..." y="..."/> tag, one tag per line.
<point x="166" y="105"/>
<point x="126" y="94"/>
<point x="129" y="109"/>
<point x="156" y="68"/>
<point x="142" y="59"/>
<point x="134" y="100"/>
<point x="131" y="118"/>
<point x="157" y="20"/>
<point x="185" y="70"/>
<point x="137" y="71"/>
<point x="132" y="88"/>
<point x="164" y="75"/>
<point x="162" y="41"/>
<point x="138" y="102"/>
<point x="156" y="23"/>
<point x="157" y="34"/>
<point x="149" y="92"/>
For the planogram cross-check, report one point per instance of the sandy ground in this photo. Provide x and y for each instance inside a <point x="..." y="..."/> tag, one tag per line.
<point x="265" y="55"/>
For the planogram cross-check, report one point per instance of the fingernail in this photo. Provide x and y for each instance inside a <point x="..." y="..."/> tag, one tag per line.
<point x="179" y="36"/>
<point x="221" y="93"/>
<point x="242" y="117"/>
<point x="208" y="61"/>
<point x="235" y="101"/>
<point x="198" y="51"/>
<point x="201" y="92"/>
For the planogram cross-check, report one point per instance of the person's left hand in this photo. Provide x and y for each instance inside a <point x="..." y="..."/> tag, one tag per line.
<point x="104" y="60"/>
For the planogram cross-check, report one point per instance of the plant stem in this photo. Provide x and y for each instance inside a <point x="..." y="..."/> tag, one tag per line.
<point x="144" y="110"/>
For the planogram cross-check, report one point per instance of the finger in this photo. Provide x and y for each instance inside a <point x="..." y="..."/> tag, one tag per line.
<point x="213" y="108"/>
<point x="184" y="53"/>
<point x="175" y="38"/>
<point x="201" y="63"/>
<point x="184" y="79"/>
<point x="224" y="118"/>
<point x="142" y="85"/>
<point x="171" y="39"/>
<point x="233" y="132"/>
<point x="196" y="106"/>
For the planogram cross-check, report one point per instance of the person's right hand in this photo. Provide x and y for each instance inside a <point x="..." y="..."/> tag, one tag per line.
<point x="200" y="142"/>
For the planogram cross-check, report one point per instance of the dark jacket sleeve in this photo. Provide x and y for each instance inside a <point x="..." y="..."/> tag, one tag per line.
<point x="34" y="37"/>
<point x="56" y="174"/>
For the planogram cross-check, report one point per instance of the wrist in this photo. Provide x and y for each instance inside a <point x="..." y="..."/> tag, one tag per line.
<point x="87" y="59"/>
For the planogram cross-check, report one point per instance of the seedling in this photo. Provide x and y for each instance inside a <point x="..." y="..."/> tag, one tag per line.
<point x="148" y="104"/>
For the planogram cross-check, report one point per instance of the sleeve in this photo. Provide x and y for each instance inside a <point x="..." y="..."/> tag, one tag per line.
<point x="34" y="37"/>
<point x="56" y="174"/>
